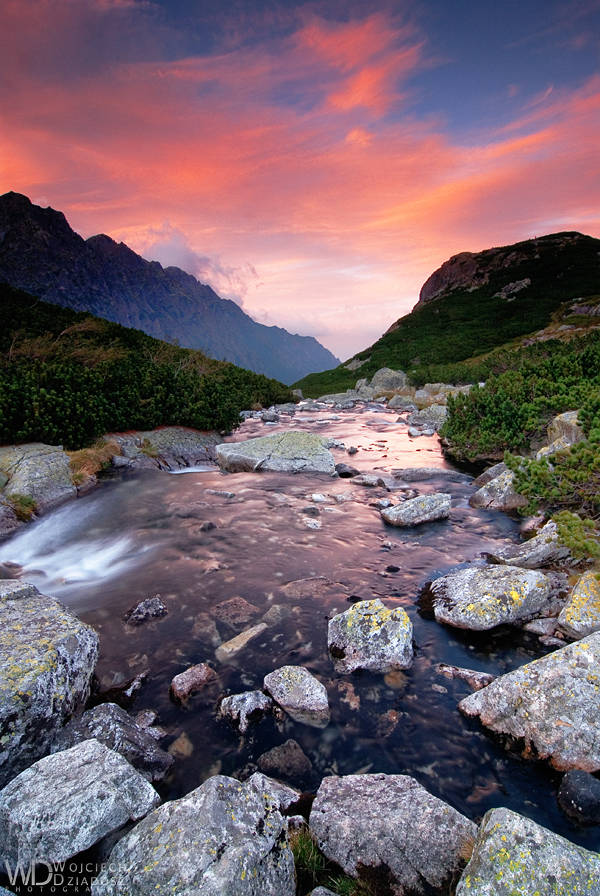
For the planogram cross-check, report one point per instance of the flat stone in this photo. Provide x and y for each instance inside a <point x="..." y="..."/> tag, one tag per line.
<point x="235" y="611"/>
<point x="581" y="614"/>
<point x="152" y="608"/>
<point x="222" y="838"/>
<point x="543" y="549"/>
<point x="47" y="658"/>
<point x="288" y="452"/>
<point x="481" y="598"/>
<point x="229" y="649"/>
<point x="423" y="509"/>
<point x="551" y="704"/>
<point x="420" y="474"/>
<point x="192" y="680"/>
<point x="498" y="494"/>
<point x="579" y="797"/>
<point x="514" y="856"/>
<point x="372" y="637"/>
<point x="110" y="725"/>
<point x="300" y="694"/>
<point x="243" y="709"/>
<point x="67" y="802"/>
<point x="390" y="822"/>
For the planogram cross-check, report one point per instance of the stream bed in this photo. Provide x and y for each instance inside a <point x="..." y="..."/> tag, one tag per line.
<point x="202" y="537"/>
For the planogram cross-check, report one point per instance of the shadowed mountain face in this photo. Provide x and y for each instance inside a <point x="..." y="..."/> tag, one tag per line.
<point x="40" y="253"/>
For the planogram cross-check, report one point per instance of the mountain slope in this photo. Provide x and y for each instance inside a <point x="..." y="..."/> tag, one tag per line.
<point x="476" y="302"/>
<point x="40" y="253"/>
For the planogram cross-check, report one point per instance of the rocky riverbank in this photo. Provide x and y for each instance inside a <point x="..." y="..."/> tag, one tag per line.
<point x="90" y="781"/>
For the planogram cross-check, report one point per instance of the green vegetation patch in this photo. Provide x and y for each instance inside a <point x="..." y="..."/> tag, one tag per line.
<point x="68" y="377"/>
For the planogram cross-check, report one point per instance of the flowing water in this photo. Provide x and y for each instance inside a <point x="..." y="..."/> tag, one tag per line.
<point x="142" y="534"/>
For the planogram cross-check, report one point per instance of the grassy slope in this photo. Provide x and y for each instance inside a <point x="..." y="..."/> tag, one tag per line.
<point x="463" y="324"/>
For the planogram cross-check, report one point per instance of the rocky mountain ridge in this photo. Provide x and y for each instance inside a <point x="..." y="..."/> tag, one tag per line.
<point x="41" y="254"/>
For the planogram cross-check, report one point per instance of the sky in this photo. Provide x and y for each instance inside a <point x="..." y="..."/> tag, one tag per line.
<point x="313" y="161"/>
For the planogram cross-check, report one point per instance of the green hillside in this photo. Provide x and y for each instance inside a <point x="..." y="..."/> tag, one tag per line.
<point x="470" y="320"/>
<point x="67" y="377"/>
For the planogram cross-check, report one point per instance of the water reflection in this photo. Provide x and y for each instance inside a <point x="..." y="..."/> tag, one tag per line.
<point x="182" y="537"/>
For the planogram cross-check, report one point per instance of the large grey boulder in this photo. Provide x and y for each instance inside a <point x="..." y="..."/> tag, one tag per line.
<point x="39" y="471"/>
<point x="514" y="855"/>
<point x="370" y="636"/>
<point x="551" y="704"/>
<point x="498" y="494"/>
<point x="402" y="403"/>
<point x="489" y="474"/>
<point x="113" y="727"/>
<point x="390" y="820"/>
<point x="581" y="614"/>
<point x="565" y="426"/>
<point x="282" y="795"/>
<point x="543" y="549"/>
<point x="481" y="598"/>
<point x="415" y="511"/>
<point x="299" y="694"/>
<point x="432" y="417"/>
<point x="47" y="658"/>
<point x="287" y="452"/>
<point x="222" y="838"/>
<point x="169" y="448"/>
<point x="67" y="802"/>
<point x="388" y="380"/>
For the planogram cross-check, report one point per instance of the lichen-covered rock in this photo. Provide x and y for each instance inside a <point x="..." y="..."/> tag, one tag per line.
<point x="551" y="704"/>
<point x="243" y="709"/>
<point x="481" y="598"/>
<point x="388" y="380"/>
<point x="112" y="726"/>
<point x="498" y="494"/>
<point x="581" y="614"/>
<point x="514" y="856"/>
<point x="287" y="452"/>
<point x="565" y="426"/>
<point x="192" y="680"/>
<point x="432" y="417"/>
<point x="489" y="474"/>
<point x="151" y="608"/>
<point x="169" y="448"/>
<point x="415" y="511"/>
<point x="378" y="821"/>
<point x="543" y="549"/>
<point x="282" y="795"/>
<point x="557" y="445"/>
<point x="402" y="402"/>
<point x="39" y="471"/>
<point x="67" y="802"/>
<point x="47" y="658"/>
<point x="370" y="636"/>
<point x="223" y="837"/>
<point x="300" y="694"/>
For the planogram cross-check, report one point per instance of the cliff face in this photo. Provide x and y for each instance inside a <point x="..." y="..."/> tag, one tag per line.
<point x="471" y="270"/>
<point x="41" y="254"/>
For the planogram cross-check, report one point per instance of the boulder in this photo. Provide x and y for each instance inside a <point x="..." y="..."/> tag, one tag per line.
<point x="489" y="474"/>
<point x="47" y="658"/>
<point x="481" y="598"/>
<point x="581" y="614"/>
<point x="229" y="649"/>
<point x="223" y="837"/>
<point x="151" y="608"/>
<point x="288" y="761"/>
<point x="112" y="726"/>
<point x="498" y="494"/>
<point x="432" y="417"/>
<point x="388" y="380"/>
<point x="415" y="511"/>
<point x="287" y="452"/>
<point x="372" y="637"/>
<point x="39" y="471"/>
<point x="566" y="427"/>
<point x="345" y="471"/>
<point x="390" y="823"/>
<point x="579" y="797"/>
<point x="168" y="448"/>
<point x="551" y="704"/>
<point x="514" y="855"/>
<point x="243" y="709"/>
<point x="402" y="402"/>
<point x="192" y="680"/>
<point x="557" y="445"/>
<point x="67" y="802"/>
<point x="280" y="794"/>
<point x="300" y="694"/>
<point x="543" y="549"/>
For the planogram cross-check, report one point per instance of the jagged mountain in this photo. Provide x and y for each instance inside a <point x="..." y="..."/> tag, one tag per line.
<point x="41" y="254"/>
<point x="478" y="301"/>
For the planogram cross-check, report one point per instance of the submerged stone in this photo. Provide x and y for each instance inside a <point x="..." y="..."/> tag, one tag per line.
<point x="300" y="694"/>
<point x="243" y="709"/>
<point x="372" y="637"/>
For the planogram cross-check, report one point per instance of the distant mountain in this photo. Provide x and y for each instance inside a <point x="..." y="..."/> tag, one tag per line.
<point x="41" y="254"/>
<point x="478" y="301"/>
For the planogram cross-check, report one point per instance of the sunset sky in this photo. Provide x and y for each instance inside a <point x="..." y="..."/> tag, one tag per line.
<point x="313" y="161"/>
